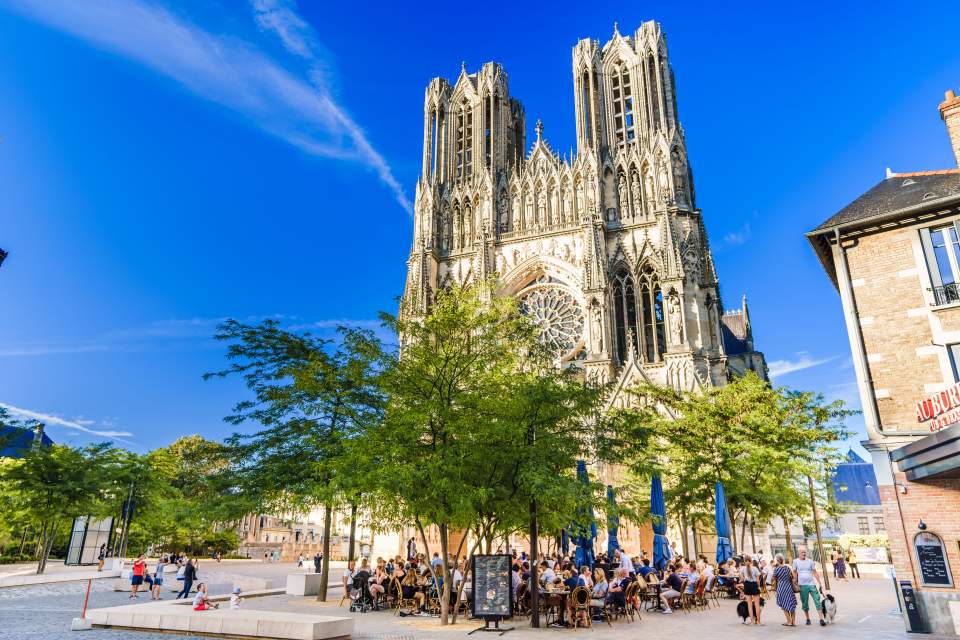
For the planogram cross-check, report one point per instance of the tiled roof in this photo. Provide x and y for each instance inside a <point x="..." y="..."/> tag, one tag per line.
<point x="14" y="440"/>
<point x="735" y="334"/>
<point x="855" y="481"/>
<point x="897" y="191"/>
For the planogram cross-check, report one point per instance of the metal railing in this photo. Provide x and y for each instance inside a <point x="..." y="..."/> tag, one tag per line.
<point x="945" y="294"/>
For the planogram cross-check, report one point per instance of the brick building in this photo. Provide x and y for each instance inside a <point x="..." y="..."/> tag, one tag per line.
<point x="894" y="256"/>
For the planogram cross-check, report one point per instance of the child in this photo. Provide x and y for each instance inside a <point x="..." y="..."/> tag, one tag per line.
<point x="200" y="601"/>
<point x="235" y="599"/>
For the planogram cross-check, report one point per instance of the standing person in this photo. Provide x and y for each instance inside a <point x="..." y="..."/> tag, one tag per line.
<point x="750" y="579"/>
<point x="158" y="578"/>
<point x="411" y="549"/>
<point x="101" y="557"/>
<point x="841" y="565"/>
<point x="300" y="561"/>
<point x="189" y="575"/>
<point x="317" y="561"/>
<point x="809" y="581"/>
<point x="833" y="561"/>
<point x="139" y="568"/>
<point x="852" y="561"/>
<point x="783" y="579"/>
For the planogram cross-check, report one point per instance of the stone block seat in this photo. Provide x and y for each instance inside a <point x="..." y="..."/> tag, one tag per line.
<point x="303" y="584"/>
<point x="176" y="617"/>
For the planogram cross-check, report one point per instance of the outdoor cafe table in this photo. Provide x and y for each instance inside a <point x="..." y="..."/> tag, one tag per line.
<point x="563" y="595"/>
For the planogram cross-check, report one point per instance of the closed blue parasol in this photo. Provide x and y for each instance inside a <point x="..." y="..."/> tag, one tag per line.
<point x="613" y="523"/>
<point x="565" y="542"/>
<point x="724" y="548"/>
<point x="585" y="536"/>
<point x="658" y="513"/>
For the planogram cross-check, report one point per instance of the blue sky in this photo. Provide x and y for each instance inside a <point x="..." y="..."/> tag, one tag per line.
<point x="167" y="165"/>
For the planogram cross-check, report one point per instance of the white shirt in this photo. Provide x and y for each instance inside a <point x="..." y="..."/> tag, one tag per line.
<point x="805" y="569"/>
<point x="548" y="576"/>
<point x="626" y="563"/>
<point x="348" y="577"/>
<point x="235" y="601"/>
<point x="197" y="599"/>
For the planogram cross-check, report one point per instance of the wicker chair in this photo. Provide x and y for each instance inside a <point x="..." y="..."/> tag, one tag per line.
<point x="523" y="599"/>
<point x="633" y="599"/>
<point x="398" y="598"/>
<point x="581" y="607"/>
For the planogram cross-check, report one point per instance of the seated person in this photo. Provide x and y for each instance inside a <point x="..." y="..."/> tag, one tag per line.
<point x="616" y="594"/>
<point x="547" y="575"/>
<point x="410" y="592"/>
<point x="378" y="582"/>
<point x="600" y="588"/>
<point x="347" y="578"/>
<point x="235" y="599"/>
<point x="584" y="580"/>
<point x="200" y="601"/>
<point x="570" y="580"/>
<point x="673" y="584"/>
<point x="645" y="568"/>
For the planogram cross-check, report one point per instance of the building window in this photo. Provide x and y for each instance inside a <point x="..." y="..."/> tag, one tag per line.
<point x="622" y="105"/>
<point x="625" y="309"/>
<point x="878" y="526"/>
<point x="464" y="141"/>
<point x="863" y="524"/>
<point x="942" y="248"/>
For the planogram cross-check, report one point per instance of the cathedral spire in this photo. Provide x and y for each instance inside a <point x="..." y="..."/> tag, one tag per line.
<point x="539" y="129"/>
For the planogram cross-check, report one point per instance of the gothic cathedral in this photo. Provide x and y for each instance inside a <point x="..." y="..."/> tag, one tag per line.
<point x="607" y="250"/>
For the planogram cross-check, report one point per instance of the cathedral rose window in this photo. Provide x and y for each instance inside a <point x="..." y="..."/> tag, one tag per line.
<point x="558" y="315"/>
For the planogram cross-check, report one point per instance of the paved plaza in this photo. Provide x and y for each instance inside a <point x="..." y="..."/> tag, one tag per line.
<point x="46" y="611"/>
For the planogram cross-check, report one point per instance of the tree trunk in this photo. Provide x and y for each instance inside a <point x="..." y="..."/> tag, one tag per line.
<point x="743" y="531"/>
<point x="534" y="583"/>
<point x="786" y="529"/>
<point x="325" y="568"/>
<point x="23" y="540"/>
<point x="683" y="534"/>
<point x="733" y="532"/>
<point x="696" y="542"/>
<point x="351" y="553"/>
<point x="444" y="594"/>
<point x="40" y="541"/>
<point x="753" y="535"/>
<point x="47" y="546"/>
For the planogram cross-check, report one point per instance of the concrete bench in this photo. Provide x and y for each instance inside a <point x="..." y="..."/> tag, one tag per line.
<point x="278" y="625"/>
<point x="254" y="584"/>
<point x="303" y="584"/>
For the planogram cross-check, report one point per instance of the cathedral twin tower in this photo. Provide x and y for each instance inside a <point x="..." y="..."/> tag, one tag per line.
<point x="606" y="250"/>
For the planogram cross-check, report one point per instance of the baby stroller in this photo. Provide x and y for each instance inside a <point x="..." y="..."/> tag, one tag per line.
<point x="361" y="600"/>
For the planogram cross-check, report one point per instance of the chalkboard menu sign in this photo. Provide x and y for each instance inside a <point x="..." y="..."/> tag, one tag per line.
<point x="492" y="588"/>
<point x="932" y="560"/>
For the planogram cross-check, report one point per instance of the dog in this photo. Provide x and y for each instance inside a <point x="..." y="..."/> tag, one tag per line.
<point x="743" y="609"/>
<point x="828" y="606"/>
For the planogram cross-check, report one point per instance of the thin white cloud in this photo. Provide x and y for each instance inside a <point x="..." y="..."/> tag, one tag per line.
<point x="280" y="17"/>
<point x="803" y="361"/>
<point x="50" y="419"/>
<point x="226" y="70"/>
<point x="734" y="239"/>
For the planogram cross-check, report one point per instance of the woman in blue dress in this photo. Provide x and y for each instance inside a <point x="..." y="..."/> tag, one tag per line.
<point x="786" y="599"/>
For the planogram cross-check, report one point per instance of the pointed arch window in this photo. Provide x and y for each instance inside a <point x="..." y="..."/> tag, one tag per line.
<point x="653" y="332"/>
<point x="464" y="141"/>
<point x="653" y="92"/>
<point x="622" y="98"/>
<point x="587" y="110"/>
<point x="625" y="312"/>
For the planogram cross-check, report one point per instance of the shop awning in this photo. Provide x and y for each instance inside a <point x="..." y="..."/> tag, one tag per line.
<point x="934" y="456"/>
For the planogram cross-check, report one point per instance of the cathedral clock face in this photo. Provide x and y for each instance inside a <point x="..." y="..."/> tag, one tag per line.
<point x="558" y="315"/>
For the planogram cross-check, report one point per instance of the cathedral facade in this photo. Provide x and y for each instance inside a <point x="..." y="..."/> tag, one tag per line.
<point x="607" y="249"/>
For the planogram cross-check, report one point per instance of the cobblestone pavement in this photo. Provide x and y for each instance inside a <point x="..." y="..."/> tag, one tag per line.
<point x="46" y="611"/>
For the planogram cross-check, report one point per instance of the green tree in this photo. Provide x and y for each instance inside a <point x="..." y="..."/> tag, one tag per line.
<point x="55" y="484"/>
<point x="311" y="396"/>
<point x="480" y="423"/>
<point x="760" y="442"/>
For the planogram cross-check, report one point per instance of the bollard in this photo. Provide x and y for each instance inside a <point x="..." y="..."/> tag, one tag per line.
<point x="81" y="623"/>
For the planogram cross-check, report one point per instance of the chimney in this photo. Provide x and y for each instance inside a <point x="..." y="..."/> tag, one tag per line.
<point x="950" y="112"/>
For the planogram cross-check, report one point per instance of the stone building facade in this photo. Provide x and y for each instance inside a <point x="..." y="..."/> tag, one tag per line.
<point x="607" y="249"/>
<point x="893" y="255"/>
